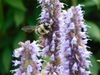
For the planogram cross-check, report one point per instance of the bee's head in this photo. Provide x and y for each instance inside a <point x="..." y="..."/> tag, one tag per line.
<point x="47" y="26"/>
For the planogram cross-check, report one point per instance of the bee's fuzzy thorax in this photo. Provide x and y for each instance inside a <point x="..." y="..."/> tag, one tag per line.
<point x="43" y="29"/>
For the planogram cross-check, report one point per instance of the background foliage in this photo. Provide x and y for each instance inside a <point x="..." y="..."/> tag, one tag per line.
<point x="14" y="14"/>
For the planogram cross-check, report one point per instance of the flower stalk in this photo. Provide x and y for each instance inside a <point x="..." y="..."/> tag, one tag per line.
<point x="51" y="12"/>
<point x="74" y="49"/>
<point x="29" y="63"/>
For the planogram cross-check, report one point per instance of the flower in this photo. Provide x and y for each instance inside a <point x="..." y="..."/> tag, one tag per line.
<point x="51" y="13"/>
<point x="17" y="52"/>
<point x="75" y="51"/>
<point x="16" y="62"/>
<point x="29" y="64"/>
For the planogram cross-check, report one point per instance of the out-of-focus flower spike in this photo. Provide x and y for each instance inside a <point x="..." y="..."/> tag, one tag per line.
<point x="29" y="64"/>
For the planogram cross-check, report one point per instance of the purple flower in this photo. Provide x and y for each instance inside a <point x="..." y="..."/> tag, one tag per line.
<point x="29" y="64"/>
<point x="51" y="13"/>
<point x="16" y="62"/>
<point x="74" y="52"/>
<point x="17" y="52"/>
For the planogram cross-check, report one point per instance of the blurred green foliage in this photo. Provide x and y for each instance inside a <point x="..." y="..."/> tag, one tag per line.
<point x="14" y="14"/>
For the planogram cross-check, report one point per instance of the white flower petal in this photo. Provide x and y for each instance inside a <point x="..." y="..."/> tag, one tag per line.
<point x="17" y="52"/>
<point x="29" y="69"/>
<point x="16" y="62"/>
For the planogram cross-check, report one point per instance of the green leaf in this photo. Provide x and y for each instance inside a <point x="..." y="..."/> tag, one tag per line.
<point x="88" y="3"/>
<point x="1" y="15"/>
<point x="32" y="20"/>
<point x="9" y="20"/>
<point x="1" y="21"/>
<point x="92" y="3"/>
<point x="97" y="3"/>
<point x="6" y="41"/>
<point x="94" y="68"/>
<point x="16" y="4"/>
<point x="20" y="37"/>
<point x="6" y="59"/>
<point x="94" y="31"/>
<point x="19" y="17"/>
<point x="36" y="13"/>
<point x="2" y="70"/>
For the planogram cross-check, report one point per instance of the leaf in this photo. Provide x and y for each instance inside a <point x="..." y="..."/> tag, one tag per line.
<point x="97" y="3"/>
<point x="1" y="15"/>
<point x="2" y="70"/>
<point x="1" y="21"/>
<point x="20" y="37"/>
<point x="5" y="41"/>
<point x="37" y="11"/>
<point x="94" y="69"/>
<point x="19" y="17"/>
<point x="88" y="3"/>
<point x="6" y="59"/>
<point x="92" y="3"/>
<point x="9" y="20"/>
<point x="16" y="4"/>
<point x="32" y="20"/>
<point x="94" y="31"/>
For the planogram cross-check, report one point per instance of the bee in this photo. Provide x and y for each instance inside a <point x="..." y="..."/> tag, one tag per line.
<point x="41" y="29"/>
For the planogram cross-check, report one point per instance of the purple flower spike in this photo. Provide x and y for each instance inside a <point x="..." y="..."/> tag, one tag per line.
<point x="73" y="43"/>
<point x="51" y="13"/>
<point x="29" y="63"/>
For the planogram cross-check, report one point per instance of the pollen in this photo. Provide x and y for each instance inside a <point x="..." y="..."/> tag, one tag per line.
<point x="73" y="34"/>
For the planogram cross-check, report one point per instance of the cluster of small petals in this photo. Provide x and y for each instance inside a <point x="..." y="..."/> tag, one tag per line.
<point x="50" y="69"/>
<point x="75" y="52"/>
<point x="17" y="52"/>
<point x="29" y="64"/>
<point x="46" y="11"/>
<point x="51" y="13"/>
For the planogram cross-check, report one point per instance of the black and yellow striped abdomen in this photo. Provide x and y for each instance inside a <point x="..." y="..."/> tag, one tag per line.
<point x="43" y="29"/>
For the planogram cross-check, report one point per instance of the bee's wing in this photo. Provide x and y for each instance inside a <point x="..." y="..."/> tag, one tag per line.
<point x="28" y="28"/>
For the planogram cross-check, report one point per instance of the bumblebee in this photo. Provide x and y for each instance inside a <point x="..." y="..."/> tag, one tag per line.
<point x="41" y="29"/>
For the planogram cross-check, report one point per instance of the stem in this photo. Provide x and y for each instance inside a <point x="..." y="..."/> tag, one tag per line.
<point x="74" y="2"/>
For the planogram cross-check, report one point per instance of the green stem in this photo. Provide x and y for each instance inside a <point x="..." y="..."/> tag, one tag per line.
<point x="74" y="2"/>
